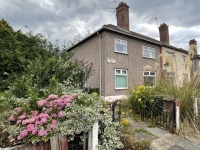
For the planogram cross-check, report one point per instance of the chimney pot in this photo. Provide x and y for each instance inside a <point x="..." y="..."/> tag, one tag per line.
<point x="122" y="13"/>
<point x="193" y="42"/>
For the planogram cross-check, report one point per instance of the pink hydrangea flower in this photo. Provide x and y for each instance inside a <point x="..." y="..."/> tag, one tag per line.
<point x="52" y="96"/>
<point x="34" y="113"/>
<point x="43" y="120"/>
<point x="30" y="127"/>
<point x="54" y="122"/>
<point x="54" y="115"/>
<point x="41" y="102"/>
<point x="53" y="126"/>
<point x="19" y="121"/>
<point x="42" y="133"/>
<point x="12" y="118"/>
<point x="19" y="137"/>
<point x="23" y="133"/>
<point x="22" y="117"/>
<point x="31" y="120"/>
<point x="67" y="104"/>
<point x="59" y="108"/>
<point x="48" y="105"/>
<point x="24" y="122"/>
<point x="34" y="132"/>
<point x="61" y="114"/>
<point x="43" y="115"/>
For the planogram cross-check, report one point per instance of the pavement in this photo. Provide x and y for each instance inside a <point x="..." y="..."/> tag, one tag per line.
<point x="162" y="139"/>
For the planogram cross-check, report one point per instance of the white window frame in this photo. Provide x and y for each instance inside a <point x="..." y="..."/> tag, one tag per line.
<point x="183" y="59"/>
<point x="121" y="74"/>
<point x="122" y="42"/>
<point x="150" y="76"/>
<point x="148" y="49"/>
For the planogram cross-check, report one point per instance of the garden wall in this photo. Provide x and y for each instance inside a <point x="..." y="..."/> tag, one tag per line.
<point x="57" y="142"/>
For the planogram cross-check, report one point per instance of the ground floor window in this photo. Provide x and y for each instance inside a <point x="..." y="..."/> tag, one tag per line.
<point x="149" y="78"/>
<point x="121" y="79"/>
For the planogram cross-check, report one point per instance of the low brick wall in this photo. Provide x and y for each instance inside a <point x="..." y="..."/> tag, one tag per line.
<point x="57" y="142"/>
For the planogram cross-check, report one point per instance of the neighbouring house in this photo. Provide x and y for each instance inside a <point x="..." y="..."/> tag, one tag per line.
<point x="122" y="58"/>
<point x="173" y="59"/>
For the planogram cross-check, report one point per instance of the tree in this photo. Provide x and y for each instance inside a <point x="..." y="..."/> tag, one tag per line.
<point x="17" y="50"/>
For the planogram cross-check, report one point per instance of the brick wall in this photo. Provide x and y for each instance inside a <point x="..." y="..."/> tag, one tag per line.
<point x="55" y="143"/>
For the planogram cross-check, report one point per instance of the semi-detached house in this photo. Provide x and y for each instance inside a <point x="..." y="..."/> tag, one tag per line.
<point x="121" y="58"/>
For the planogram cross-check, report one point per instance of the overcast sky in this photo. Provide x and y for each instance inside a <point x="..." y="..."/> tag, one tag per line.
<point x="63" y="19"/>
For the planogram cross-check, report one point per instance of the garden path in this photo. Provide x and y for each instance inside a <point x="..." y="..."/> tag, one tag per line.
<point x="160" y="138"/>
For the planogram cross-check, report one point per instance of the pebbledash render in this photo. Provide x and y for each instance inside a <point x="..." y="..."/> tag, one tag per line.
<point x="121" y="58"/>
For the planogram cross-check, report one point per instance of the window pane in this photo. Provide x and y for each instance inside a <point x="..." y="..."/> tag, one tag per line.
<point x="146" y="73"/>
<point x="152" y="73"/>
<point x="120" y="81"/>
<point x="117" y="72"/>
<point x="149" y="81"/>
<point x="120" y="48"/>
<point x="123" y="71"/>
<point x="148" y="52"/>
<point x="145" y="53"/>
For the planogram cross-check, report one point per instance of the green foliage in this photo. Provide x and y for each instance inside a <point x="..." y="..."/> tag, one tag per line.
<point x="140" y="97"/>
<point x="130" y="143"/>
<point x="17" y="50"/>
<point x="43" y="77"/>
<point x="185" y="93"/>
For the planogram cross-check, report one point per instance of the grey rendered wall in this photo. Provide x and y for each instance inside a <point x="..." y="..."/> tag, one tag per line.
<point x="133" y="62"/>
<point x="89" y="52"/>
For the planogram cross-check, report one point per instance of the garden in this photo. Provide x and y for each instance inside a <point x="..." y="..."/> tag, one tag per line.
<point x="41" y="94"/>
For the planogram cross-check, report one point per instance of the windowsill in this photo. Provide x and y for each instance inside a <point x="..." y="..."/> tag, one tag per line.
<point x="121" y="53"/>
<point x="121" y="88"/>
<point x="149" y="58"/>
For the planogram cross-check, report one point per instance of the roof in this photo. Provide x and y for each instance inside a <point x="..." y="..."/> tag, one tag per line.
<point x="113" y="28"/>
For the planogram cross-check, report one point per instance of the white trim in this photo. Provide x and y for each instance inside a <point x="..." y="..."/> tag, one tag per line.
<point x="149" y="49"/>
<point x="126" y="75"/>
<point x="121" y="42"/>
<point x="150" y="76"/>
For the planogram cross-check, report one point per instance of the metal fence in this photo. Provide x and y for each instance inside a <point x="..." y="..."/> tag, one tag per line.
<point x="161" y="113"/>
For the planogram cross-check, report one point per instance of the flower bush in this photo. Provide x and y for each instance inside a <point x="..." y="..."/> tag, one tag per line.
<point x="70" y="114"/>
<point x="143" y="100"/>
<point x="39" y="125"/>
<point x="138" y="97"/>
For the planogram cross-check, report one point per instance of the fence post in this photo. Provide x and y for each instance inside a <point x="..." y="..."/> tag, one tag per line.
<point x="195" y="107"/>
<point x="54" y="142"/>
<point x="93" y="137"/>
<point x="63" y="142"/>
<point x="177" y="115"/>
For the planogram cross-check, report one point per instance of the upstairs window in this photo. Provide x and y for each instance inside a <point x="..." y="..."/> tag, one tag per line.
<point x="149" y="78"/>
<point x="121" y="81"/>
<point x="148" y="52"/>
<point x="120" y="46"/>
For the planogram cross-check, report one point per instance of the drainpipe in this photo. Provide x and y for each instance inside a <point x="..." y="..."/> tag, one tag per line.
<point x="100" y="60"/>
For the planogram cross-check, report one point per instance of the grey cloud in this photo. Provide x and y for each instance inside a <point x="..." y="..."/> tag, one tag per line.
<point x="94" y="13"/>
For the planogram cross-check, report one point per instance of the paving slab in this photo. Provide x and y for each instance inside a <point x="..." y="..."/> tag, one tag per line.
<point x="176" y="148"/>
<point x="189" y="145"/>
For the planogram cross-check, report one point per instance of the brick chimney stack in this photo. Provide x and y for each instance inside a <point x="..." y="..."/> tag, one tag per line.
<point x="164" y="33"/>
<point x="193" y="43"/>
<point x="122" y="13"/>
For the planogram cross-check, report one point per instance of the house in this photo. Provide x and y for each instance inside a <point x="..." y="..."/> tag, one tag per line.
<point x="122" y="58"/>
<point x="173" y="59"/>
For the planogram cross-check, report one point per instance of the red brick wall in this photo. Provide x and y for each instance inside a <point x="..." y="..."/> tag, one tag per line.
<point x="122" y="13"/>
